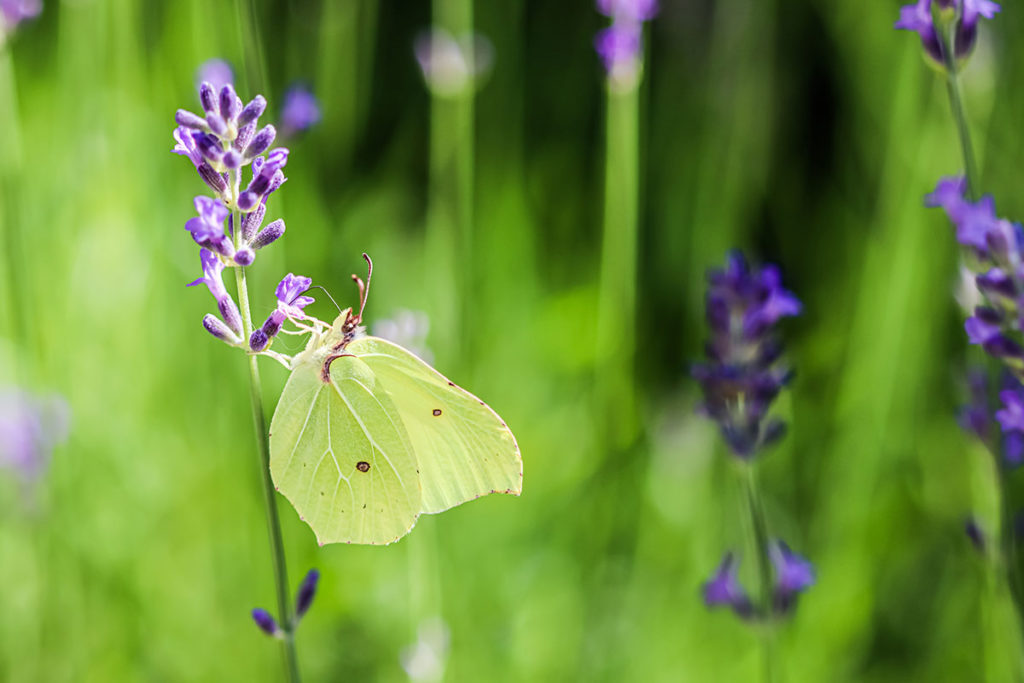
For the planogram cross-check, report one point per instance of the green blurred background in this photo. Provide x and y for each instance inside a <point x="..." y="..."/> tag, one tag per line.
<point x="804" y="131"/>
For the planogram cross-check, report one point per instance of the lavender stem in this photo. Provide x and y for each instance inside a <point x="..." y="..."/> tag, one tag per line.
<point x="956" y="103"/>
<point x="763" y="594"/>
<point x="284" y="607"/>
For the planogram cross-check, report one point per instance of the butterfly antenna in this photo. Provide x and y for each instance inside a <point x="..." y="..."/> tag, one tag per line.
<point x="364" y="289"/>
<point x="328" y="296"/>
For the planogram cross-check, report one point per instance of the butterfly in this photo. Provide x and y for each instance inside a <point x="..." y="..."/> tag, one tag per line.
<point x="366" y="437"/>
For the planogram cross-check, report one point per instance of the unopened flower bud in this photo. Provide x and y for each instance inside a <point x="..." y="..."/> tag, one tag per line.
<point x="268" y="234"/>
<point x="216" y="124"/>
<point x="244" y="136"/>
<point x="265" y="622"/>
<point x="232" y="159"/>
<point x="252" y="111"/>
<point x="261" y="141"/>
<point x="207" y="97"/>
<point x="229" y="311"/>
<point x="229" y="103"/>
<point x="307" y="591"/>
<point x="183" y="117"/>
<point x="218" y="329"/>
<point x="244" y="256"/>
<point x="258" y="340"/>
<point x="252" y="221"/>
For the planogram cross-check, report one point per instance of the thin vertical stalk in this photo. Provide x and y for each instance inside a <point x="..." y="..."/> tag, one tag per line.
<point x="759" y="541"/>
<point x="956" y="103"/>
<point x="284" y="607"/>
<point x="449" y="241"/>
<point x="616" y="308"/>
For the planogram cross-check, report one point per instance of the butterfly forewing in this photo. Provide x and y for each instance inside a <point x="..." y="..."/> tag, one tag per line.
<point x="339" y="453"/>
<point x="463" y="448"/>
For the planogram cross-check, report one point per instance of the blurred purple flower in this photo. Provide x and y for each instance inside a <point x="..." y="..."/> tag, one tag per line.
<point x="266" y="622"/>
<point x="974" y="532"/>
<point x="793" y="575"/>
<point x="741" y="377"/>
<point x="30" y="427"/>
<point x="628" y="10"/>
<point x="216" y="72"/>
<point x="918" y="17"/>
<point x="301" y="110"/>
<point x="13" y="12"/>
<point x="307" y="591"/>
<point x="724" y="589"/>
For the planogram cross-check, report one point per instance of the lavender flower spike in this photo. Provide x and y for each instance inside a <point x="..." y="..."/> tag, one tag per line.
<point x="724" y="589"/>
<point x="265" y="622"/>
<point x="212" y="278"/>
<point x="301" y="111"/>
<point x="741" y="377"/>
<point x="307" y="591"/>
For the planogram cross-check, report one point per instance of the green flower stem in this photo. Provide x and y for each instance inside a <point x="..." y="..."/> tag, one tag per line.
<point x="616" y="307"/>
<point x="763" y="589"/>
<point x="956" y="103"/>
<point x="284" y="607"/>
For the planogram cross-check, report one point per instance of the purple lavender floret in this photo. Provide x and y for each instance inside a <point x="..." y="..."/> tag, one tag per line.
<point x="742" y="377"/>
<point x="290" y="303"/>
<point x="918" y="17"/>
<point x="982" y="415"/>
<point x="213" y="268"/>
<point x="307" y="591"/>
<point x="301" y="110"/>
<point x="266" y="622"/>
<point x="793" y="575"/>
<point x="208" y="227"/>
<point x="724" y="589"/>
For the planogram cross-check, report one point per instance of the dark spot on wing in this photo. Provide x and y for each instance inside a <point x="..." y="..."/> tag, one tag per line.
<point x="363" y="466"/>
<point x="451" y="384"/>
<point x="321" y="493"/>
<point x="437" y="411"/>
<point x="364" y="506"/>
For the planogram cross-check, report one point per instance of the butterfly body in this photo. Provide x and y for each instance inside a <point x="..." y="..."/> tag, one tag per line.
<point x="366" y="437"/>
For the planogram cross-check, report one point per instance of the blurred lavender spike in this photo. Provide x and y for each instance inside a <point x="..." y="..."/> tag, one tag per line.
<point x="30" y="427"/>
<point x="300" y="111"/>
<point x="741" y="377"/>
<point x="620" y="45"/>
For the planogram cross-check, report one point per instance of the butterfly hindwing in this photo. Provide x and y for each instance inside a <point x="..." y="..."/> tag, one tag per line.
<point x="463" y="448"/>
<point x="340" y="454"/>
